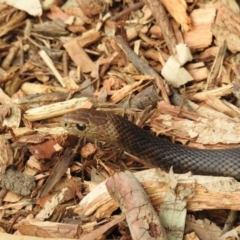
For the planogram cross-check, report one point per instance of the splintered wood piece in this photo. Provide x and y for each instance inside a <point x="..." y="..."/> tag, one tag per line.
<point x="55" y="109"/>
<point x="58" y="171"/>
<point x="162" y="20"/>
<point x="50" y="64"/>
<point x="207" y="192"/>
<point x="79" y="56"/>
<point x="217" y="66"/>
<point x="198" y="71"/>
<point x="200" y="35"/>
<point x="178" y="9"/>
<point x="13" y="22"/>
<point x="88" y="38"/>
<point x="179" y="123"/>
<point x="226" y="27"/>
<point x="224" y="34"/>
<point x="218" y="92"/>
<point x="226" y="18"/>
<point x="142" y="219"/>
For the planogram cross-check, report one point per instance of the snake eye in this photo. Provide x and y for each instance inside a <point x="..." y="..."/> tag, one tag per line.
<point x="81" y="127"/>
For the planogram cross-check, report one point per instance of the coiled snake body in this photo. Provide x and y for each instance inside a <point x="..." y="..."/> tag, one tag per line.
<point x="120" y="132"/>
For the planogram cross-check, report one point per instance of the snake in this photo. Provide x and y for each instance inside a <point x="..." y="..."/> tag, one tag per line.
<point x="118" y="131"/>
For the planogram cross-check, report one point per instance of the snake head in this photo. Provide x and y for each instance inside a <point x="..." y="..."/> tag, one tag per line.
<point x="91" y="124"/>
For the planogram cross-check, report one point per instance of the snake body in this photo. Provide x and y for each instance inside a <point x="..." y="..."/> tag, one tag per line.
<point x="124" y="134"/>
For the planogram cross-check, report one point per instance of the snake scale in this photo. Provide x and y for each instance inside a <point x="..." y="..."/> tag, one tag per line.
<point x="124" y="134"/>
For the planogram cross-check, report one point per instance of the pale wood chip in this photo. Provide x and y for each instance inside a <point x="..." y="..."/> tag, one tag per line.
<point x="178" y="9"/>
<point x="167" y="119"/>
<point x="79" y="56"/>
<point x="200" y="35"/>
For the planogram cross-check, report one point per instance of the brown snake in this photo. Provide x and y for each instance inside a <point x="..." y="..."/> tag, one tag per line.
<point x="122" y="133"/>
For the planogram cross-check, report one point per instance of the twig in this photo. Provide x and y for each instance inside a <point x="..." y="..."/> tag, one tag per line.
<point x="126" y="11"/>
<point x="162" y="20"/>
